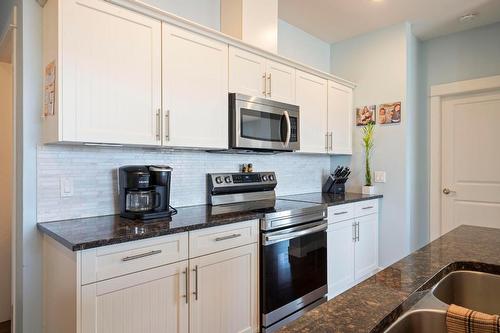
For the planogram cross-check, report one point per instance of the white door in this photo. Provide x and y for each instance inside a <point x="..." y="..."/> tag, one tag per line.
<point x="366" y="246"/>
<point x="224" y="291"/>
<point x="340" y="118"/>
<point x="340" y="238"/>
<point x="247" y="73"/>
<point x="151" y="301"/>
<point x="311" y="97"/>
<point x="280" y="82"/>
<point x="111" y="74"/>
<point x="195" y="90"/>
<point x="471" y="161"/>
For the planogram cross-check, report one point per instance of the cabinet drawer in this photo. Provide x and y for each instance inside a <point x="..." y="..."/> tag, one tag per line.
<point x="110" y="261"/>
<point x="340" y="213"/>
<point x="363" y="208"/>
<point x="216" y="239"/>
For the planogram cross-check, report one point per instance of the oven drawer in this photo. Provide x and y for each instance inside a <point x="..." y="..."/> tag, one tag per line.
<point x="221" y="238"/>
<point x="107" y="262"/>
<point x="340" y="213"/>
<point x="363" y="208"/>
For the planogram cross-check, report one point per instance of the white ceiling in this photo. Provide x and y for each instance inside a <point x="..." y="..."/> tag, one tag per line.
<point x="336" y="20"/>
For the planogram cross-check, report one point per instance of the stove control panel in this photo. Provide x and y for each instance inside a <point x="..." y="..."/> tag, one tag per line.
<point x="241" y="179"/>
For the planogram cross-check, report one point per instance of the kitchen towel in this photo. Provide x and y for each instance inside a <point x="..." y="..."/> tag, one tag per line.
<point x="463" y="320"/>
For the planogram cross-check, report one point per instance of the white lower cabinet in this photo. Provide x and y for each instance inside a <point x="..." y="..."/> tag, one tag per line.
<point x="224" y="291"/>
<point x="213" y="292"/>
<point x="150" y="301"/>
<point x="352" y="247"/>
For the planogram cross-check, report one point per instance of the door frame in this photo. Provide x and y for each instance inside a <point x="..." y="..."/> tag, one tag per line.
<point x="438" y="93"/>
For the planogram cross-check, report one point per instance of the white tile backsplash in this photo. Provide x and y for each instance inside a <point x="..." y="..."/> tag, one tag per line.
<point x="93" y="171"/>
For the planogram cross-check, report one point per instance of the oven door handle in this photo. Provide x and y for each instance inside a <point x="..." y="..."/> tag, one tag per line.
<point x="288" y="128"/>
<point x="282" y="236"/>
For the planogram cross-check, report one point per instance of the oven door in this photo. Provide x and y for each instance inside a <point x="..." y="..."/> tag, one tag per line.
<point x="264" y="125"/>
<point x="293" y="270"/>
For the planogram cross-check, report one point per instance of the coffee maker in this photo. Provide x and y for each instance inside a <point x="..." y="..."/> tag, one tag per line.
<point x="144" y="191"/>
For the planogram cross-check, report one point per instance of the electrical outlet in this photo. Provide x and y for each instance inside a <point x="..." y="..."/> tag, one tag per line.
<point x="379" y="176"/>
<point x="66" y="186"/>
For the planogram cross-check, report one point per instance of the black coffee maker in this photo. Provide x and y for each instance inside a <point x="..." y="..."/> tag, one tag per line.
<point x="144" y="191"/>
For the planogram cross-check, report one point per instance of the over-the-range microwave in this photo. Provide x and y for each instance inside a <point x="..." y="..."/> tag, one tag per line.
<point x="260" y="124"/>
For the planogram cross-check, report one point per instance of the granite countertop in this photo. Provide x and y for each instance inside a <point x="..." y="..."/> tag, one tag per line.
<point x="374" y="304"/>
<point x="331" y="199"/>
<point x="86" y="233"/>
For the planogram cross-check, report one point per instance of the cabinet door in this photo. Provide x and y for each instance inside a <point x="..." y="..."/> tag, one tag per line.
<point x="340" y="112"/>
<point x="111" y="74"/>
<point x="280" y="82"/>
<point x="195" y="112"/>
<point x="366" y="250"/>
<point x="151" y="301"/>
<point x="224" y="291"/>
<point x="247" y="73"/>
<point x="311" y="96"/>
<point x="340" y="237"/>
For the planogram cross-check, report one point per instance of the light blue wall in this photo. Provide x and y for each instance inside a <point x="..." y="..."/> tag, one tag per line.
<point x="300" y="46"/>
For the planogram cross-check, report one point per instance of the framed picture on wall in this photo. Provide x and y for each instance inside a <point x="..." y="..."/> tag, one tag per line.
<point x="389" y="113"/>
<point x="365" y="115"/>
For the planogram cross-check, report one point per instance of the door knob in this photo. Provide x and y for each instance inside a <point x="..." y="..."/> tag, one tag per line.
<point x="448" y="191"/>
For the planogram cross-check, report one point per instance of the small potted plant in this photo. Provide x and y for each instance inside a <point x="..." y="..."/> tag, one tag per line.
<point x="368" y="131"/>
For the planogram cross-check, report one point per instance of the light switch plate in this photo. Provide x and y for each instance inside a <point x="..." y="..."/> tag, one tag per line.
<point x="379" y="176"/>
<point x="66" y="186"/>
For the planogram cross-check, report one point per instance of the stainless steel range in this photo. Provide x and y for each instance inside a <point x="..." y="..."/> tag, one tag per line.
<point x="293" y="263"/>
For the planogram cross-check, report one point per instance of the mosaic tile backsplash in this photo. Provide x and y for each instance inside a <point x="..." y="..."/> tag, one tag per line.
<point x="93" y="173"/>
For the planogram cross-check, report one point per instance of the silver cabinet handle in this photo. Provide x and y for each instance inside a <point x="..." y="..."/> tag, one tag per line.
<point x="367" y="207"/>
<point x="195" y="292"/>
<point x="186" y="273"/>
<point x="270" y="86"/>
<point x="353" y="231"/>
<point x="331" y="141"/>
<point x="340" y="213"/>
<point x="158" y="124"/>
<point x="167" y="126"/>
<point x="326" y="141"/>
<point x="218" y="239"/>
<point x="142" y="255"/>
<point x="357" y="233"/>
<point x="264" y="92"/>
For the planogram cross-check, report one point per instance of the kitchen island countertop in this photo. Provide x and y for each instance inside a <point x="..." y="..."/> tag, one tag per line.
<point x="374" y="304"/>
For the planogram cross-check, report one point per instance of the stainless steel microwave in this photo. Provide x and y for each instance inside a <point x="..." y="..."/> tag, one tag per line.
<point x="263" y="125"/>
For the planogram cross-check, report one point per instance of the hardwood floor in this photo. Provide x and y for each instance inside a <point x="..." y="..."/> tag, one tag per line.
<point x="5" y="327"/>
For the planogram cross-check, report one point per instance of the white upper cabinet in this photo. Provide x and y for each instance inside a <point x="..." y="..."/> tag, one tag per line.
<point x="247" y="73"/>
<point x="280" y="82"/>
<point x="195" y="90"/>
<point x="256" y="76"/>
<point x="340" y="112"/>
<point x="108" y="62"/>
<point x="311" y="96"/>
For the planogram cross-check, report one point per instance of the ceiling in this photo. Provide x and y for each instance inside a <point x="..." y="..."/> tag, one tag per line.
<point x="336" y="20"/>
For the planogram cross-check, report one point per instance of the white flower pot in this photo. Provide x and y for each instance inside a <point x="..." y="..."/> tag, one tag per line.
<point x="368" y="190"/>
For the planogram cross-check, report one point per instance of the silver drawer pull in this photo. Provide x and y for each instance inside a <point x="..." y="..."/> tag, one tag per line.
<point x="369" y="207"/>
<point x="218" y="239"/>
<point x="142" y="255"/>
<point x="340" y="213"/>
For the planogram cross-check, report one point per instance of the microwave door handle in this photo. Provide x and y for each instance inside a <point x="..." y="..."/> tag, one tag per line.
<point x="289" y="128"/>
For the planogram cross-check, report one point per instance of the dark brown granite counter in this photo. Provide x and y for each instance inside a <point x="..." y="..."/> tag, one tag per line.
<point x="374" y="304"/>
<point x="86" y="233"/>
<point x="331" y="199"/>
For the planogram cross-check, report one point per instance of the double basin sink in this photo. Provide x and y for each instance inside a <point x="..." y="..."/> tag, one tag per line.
<point x="473" y="290"/>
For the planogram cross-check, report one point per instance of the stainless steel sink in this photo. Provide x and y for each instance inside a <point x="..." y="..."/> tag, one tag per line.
<point x="428" y="321"/>
<point x="473" y="290"/>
